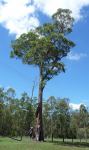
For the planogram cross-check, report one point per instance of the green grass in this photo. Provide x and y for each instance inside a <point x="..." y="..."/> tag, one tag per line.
<point x="26" y="144"/>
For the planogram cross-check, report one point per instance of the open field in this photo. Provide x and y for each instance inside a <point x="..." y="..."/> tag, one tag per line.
<point x="27" y="144"/>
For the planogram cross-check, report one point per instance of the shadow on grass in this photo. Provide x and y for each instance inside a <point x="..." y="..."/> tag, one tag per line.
<point x="74" y="144"/>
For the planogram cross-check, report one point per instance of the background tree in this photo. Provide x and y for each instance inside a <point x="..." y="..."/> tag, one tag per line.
<point x="64" y="117"/>
<point x="45" y="47"/>
<point x="2" y="96"/>
<point x="83" y="114"/>
<point x="17" y="115"/>
<point x="74" y="124"/>
<point x="49" y="116"/>
<point x="46" y="120"/>
<point x="81" y="134"/>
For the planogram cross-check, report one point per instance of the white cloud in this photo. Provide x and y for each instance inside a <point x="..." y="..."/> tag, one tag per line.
<point x="74" y="106"/>
<point x="50" y="6"/>
<point x="76" y="56"/>
<point x="19" y="16"/>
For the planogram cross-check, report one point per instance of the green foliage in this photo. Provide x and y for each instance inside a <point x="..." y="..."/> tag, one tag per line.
<point x="74" y="124"/>
<point x="46" y="45"/>
<point x="83" y="116"/>
<point x="17" y="115"/>
<point x="64" y="116"/>
<point x="81" y="133"/>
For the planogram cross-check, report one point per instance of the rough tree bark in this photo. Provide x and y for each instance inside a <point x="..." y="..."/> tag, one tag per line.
<point x="39" y="122"/>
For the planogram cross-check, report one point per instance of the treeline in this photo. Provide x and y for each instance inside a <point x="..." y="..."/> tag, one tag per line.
<point x="17" y="116"/>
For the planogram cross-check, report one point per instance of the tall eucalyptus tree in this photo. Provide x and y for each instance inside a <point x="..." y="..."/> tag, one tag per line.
<point x="45" y="47"/>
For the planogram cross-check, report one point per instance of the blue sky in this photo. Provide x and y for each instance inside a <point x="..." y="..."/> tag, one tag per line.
<point x="74" y="83"/>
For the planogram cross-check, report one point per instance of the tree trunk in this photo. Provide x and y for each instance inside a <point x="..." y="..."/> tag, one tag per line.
<point x="39" y="122"/>
<point x="72" y="139"/>
<point x="52" y="137"/>
<point x="63" y="139"/>
<point x="80" y="140"/>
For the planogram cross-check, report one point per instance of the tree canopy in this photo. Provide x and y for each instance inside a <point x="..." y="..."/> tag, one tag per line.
<point x="46" y="45"/>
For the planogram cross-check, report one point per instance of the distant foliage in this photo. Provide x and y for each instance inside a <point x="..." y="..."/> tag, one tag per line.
<point x="17" y="116"/>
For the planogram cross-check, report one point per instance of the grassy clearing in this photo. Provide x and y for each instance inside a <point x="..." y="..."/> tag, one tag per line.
<point x="26" y="144"/>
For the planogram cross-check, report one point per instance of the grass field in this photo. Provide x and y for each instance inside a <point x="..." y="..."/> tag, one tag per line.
<point x="27" y="144"/>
